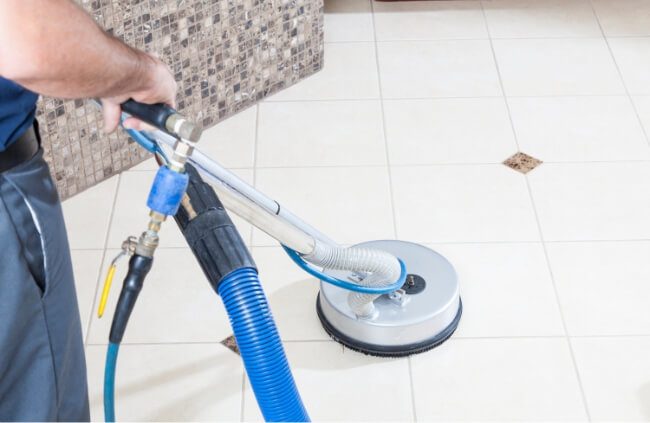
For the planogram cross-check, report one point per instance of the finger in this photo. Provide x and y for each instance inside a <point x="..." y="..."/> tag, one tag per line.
<point x="111" y="114"/>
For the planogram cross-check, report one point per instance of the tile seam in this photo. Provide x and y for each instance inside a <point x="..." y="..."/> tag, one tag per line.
<point x="103" y="259"/>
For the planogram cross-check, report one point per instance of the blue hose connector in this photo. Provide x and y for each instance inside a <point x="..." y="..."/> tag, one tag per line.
<point x="260" y="347"/>
<point x="167" y="191"/>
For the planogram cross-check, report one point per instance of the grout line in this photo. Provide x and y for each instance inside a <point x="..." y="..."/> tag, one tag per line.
<point x="234" y="168"/>
<point x="284" y="341"/>
<point x="255" y="160"/>
<point x="383" y="125"/>
<point x="443" y="40"/>
<point x="434" y="243"/>
<point x="443" y="243"/>
<point x="503" y="90"/>
<point x="451" y="39"/>
<point x="103" y="259"/>
<point x="633" y="335"/>
<point x="321" y="100"/>
<point x="626" y="36"/>
<point x="411" y="165"/>
<point x="596" y="240"/>
<point x="574" y="162"/>
<point x="470" y="338"/>
<point x="243" y="394"/>
<point x="488" y="37"/>
<point x="391" y="191"/>
<point x="454" y="339"/>
<point x="412" y="386"/>
<point x="541" y="234"/>
<point x="558" y="302"/>
<point x="430" y="98"/>
<point x="620" y="74"/>
<point x="499" y="242"/>
<point x="363" y="166"/>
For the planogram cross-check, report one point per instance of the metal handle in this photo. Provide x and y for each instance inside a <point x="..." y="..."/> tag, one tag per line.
<point x="164" y="118"/>
<point x="153" y="114"/>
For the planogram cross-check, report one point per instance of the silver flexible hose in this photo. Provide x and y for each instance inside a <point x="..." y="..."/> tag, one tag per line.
<point x="383" y="269"/>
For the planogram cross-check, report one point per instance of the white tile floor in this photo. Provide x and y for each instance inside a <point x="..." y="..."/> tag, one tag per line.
<point x="403" y="134"/>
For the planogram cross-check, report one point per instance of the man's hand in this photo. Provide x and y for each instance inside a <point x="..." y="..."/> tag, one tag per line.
<point x="161" y="88"/>
<point x="55" y="48"/>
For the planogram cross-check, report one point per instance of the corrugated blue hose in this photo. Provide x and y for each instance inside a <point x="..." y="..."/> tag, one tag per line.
<point x="109" y="382"/>
<point x="260" y="347"/>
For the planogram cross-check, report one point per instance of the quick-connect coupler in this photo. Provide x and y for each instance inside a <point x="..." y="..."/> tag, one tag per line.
<point x="164" y="200"/>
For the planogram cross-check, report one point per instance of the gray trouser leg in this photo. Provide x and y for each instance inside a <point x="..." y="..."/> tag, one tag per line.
<point x="42" y="365"/>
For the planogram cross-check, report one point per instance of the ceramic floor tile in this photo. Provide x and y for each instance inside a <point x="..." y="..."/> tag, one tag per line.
<point x="232" y="142"/>
<point x="571" y="66"/>
<point x="462" y="204"/>
<point x="579" y="128"/>
<point x="177" y="304"/>
<point x="506" y="290"/>
<point x="541" y="18"/>
<point x="87" y="214"/>
<point x="149" y="164"/>
<point x="350" y="72"/>
<point x="497" y="379"/>
<point x="180" y="382"/>
<point x="429" y="20"/>
<point x="349" y="205"/>
<point x="321" y="134"/>
<point x="419" y="69"/>
<point x="328" y="378"/>
<point x="476" y="130"/>
<point x="603" y="286"/>
<point x="615" y="375"/>
<point x="291" y="293"/>
<point x="623" y="17"/>
<point x="593" y="201"/>
<point x="348" y="20"/>
<point x="131" y="214"/>
<point x="633" y="58"/>
<point x="86" y="265"/>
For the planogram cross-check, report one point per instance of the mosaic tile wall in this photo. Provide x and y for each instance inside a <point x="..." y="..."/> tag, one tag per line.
<point x="225" y="54"/>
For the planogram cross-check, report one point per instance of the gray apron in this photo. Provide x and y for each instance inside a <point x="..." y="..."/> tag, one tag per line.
<point x="42" y="365"/>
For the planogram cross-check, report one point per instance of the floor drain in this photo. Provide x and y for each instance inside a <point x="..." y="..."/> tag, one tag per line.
<point x="231" y="344"/>
<point x="522" y="162"/>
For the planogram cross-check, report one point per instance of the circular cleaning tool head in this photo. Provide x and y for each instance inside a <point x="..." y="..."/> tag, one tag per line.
<point x="420" y="316"/>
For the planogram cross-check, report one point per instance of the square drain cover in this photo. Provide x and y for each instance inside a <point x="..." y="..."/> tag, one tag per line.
<point x="522" y="162"/>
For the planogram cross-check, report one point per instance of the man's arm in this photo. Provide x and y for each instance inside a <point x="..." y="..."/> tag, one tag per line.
<point x="54" y="48"/>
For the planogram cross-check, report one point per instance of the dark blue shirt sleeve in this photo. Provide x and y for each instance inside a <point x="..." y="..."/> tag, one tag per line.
<point x="17" y="111"/>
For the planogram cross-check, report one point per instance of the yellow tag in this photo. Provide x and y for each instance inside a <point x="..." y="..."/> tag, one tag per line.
<point x="107" y="288"/>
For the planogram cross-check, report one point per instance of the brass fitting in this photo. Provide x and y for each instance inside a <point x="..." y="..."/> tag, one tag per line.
<point x="182" y="150"/>
<point x="148" y="241"/>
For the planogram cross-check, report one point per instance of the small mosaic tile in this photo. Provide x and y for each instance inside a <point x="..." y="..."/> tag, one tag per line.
<point x="226" y="55"/>
<point x="522" y="162"/>
<point x="231" y="344"/>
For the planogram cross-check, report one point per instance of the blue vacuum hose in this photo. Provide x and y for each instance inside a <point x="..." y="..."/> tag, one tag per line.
<point x="260" y="347"/>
